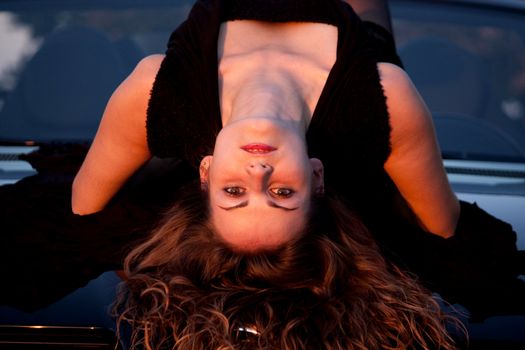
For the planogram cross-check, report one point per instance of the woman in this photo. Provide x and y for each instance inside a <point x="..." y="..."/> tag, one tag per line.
<point x="326" y="96"/>
<point x="268" y="76"/>
<point x="305" y="84"/>
<point x="198" y="274"/>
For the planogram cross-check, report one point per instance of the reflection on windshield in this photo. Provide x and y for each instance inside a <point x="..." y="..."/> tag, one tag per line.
<point x="470" y="69"/>
<point x="59" y="65"/>
<point x="17" y="45"/>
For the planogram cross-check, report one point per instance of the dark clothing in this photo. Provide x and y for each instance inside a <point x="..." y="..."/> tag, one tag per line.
<point x="349" y="127"/>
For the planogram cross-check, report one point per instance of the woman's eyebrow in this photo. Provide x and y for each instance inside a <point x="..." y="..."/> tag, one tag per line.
<point x="275" y="205"/>
<point x="240" y="205"/>
<point x="270" y="203"/>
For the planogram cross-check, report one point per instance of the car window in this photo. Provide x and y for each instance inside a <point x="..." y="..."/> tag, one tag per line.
<point x="60" y="61"/>
<point x="469" y="65"/>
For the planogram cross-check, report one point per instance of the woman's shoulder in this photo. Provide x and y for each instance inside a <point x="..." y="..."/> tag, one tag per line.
<point x="147" y="68"/>
<point x="392" y="75"/>
<point x="130" y="99"/>
<point x="151" y="62"/>
<point x="134" y="92"/>
<point x="404" y="103"/>
<point x="136" y="87"/>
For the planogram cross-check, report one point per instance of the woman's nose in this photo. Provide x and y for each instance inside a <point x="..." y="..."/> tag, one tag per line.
<point x="259" y="169"/>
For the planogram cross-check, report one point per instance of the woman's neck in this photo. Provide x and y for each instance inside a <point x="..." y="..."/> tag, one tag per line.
<point x="274" y="70"/>
<point x="270" y="95"/>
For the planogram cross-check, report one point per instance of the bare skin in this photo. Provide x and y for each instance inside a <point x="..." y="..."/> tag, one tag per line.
<point x="415" y="163"/>
<point x="259" y="198"/>
<point x="415" y="166"/>
<point x="120" y="145"/>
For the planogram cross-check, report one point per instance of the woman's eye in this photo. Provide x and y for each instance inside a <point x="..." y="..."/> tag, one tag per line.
<point x="234" y="191"/>
<point x="282" y="192"/>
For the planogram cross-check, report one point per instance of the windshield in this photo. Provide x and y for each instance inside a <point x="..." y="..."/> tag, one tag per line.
<point x="469" y="65"/>
<point x="60" y="61"/>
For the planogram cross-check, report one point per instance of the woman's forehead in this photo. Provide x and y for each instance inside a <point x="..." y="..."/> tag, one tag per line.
<point x="253" y="229"/>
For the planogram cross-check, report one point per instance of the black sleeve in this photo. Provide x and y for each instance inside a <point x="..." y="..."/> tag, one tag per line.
<point x="47" y="252"/>
<point x="479" y="266"/>
<point x="383" y="44"/>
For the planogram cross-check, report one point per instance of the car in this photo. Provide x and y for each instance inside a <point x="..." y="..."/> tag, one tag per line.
<point x="61" y="59"/>
<point x="467" y="59"/>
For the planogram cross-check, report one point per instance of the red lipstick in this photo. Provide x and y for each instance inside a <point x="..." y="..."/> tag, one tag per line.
<point x="258" y="148"/>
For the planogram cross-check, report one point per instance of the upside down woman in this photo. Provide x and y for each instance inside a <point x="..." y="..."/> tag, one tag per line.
<point x="279" y="104"/>
<point x="320" y="89"/>
<point x="293" y="80"/>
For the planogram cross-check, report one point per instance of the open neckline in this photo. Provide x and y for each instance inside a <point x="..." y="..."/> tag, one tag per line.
<point x="329" y="79"/>
<point x="324" y="91"/>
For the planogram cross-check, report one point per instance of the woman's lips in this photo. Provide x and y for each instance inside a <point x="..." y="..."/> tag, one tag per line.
<point x="258" y="148"/>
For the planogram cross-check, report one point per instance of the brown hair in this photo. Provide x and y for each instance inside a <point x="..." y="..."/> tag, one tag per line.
<point x="330" y="289"/>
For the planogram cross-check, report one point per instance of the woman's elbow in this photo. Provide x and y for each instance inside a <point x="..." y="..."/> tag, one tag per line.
<point x="446" y="227"/>
<point x="82" y="199"/>
<point x="455" y="211"/>
<point x="77" y="205"/>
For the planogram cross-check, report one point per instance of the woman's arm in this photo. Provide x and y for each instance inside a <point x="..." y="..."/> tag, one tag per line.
<point x="415" y="163"/>
<point x="120" y="145"/>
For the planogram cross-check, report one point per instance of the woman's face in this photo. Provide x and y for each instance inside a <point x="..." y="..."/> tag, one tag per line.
<point x="260" y="183"/>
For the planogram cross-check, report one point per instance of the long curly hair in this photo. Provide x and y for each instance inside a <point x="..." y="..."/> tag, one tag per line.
<point x="329" y="289"/>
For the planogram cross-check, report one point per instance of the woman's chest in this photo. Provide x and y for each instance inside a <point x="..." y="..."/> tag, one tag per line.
<point x="253" y="52"/>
